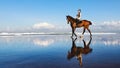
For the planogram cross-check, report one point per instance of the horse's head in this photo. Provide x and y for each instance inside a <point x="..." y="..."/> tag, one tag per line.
<point x="68" y="19"/>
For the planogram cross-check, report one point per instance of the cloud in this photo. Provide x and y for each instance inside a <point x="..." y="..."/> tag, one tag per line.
<point x="43" y="42"/>
<point x="43" y="25"/>
<point x="106" y="26"/>
<point x="112" y="23"/>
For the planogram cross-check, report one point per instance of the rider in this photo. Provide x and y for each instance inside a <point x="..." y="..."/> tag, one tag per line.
<point x="78" y="16"/>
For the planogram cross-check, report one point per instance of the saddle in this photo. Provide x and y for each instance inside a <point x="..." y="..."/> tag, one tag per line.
<point x="78" y="21"/>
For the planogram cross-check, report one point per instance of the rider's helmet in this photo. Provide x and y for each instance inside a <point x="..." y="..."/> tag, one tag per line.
<point x="79" y="10"/>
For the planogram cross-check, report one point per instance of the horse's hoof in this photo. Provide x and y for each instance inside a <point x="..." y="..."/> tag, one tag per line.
<point x="81" y="36"/>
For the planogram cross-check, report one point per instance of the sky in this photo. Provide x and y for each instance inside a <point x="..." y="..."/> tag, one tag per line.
<point x="37" y="15"/>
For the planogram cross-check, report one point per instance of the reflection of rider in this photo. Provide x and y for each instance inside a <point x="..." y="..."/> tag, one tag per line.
<point x="78" y="16"/>
<point x="78" y="51"/>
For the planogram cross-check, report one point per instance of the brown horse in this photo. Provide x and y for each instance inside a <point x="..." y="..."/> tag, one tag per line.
<point x="82" y="23"/>
<point x="78" y="51"/>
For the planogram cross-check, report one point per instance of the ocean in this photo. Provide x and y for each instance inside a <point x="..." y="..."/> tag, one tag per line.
<point x="60" y="51"/>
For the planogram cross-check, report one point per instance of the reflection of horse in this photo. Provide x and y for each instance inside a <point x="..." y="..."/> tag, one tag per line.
<point x="78" y="51"/>
<point x="81" y="23"/>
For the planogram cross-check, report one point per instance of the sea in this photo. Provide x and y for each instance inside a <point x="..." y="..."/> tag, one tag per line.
<point x="60" y="51"/>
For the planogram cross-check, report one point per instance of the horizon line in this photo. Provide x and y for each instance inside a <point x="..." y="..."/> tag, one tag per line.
<point x="52" y="33"/>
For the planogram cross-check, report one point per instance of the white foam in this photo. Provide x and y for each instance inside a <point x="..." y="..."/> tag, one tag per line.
<point x="33" y="33"/>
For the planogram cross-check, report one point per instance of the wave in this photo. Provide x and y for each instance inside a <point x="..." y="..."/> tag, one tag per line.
<point x="51" y="33"/>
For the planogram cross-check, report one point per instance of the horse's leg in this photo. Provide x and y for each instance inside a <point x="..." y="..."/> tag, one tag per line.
<point x="74" y="32"/>
<point x="89" y="31"/>
<point x="83" y="31"/>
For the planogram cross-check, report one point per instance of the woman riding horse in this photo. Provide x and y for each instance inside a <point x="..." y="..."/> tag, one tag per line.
<point x="82" y="23"/>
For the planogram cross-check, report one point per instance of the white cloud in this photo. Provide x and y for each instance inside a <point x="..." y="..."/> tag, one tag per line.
<point x="112" y="23"/>
<point x="43" y="25"/>
<point x="106" y="26"/>
<point x="43" y="42"/>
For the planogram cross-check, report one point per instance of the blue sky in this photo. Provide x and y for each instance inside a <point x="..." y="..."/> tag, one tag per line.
<point x="19" y="14"/>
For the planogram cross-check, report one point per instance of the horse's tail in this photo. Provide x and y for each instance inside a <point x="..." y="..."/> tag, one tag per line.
<point x="90" y="22"/>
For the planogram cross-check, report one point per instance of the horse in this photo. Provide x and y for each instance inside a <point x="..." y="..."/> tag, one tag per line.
<point x="78" y="51"/>
<point x="81" y="23"/>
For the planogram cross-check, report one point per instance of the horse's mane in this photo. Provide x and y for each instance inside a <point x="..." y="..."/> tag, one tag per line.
<point x="70" y="17"/>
